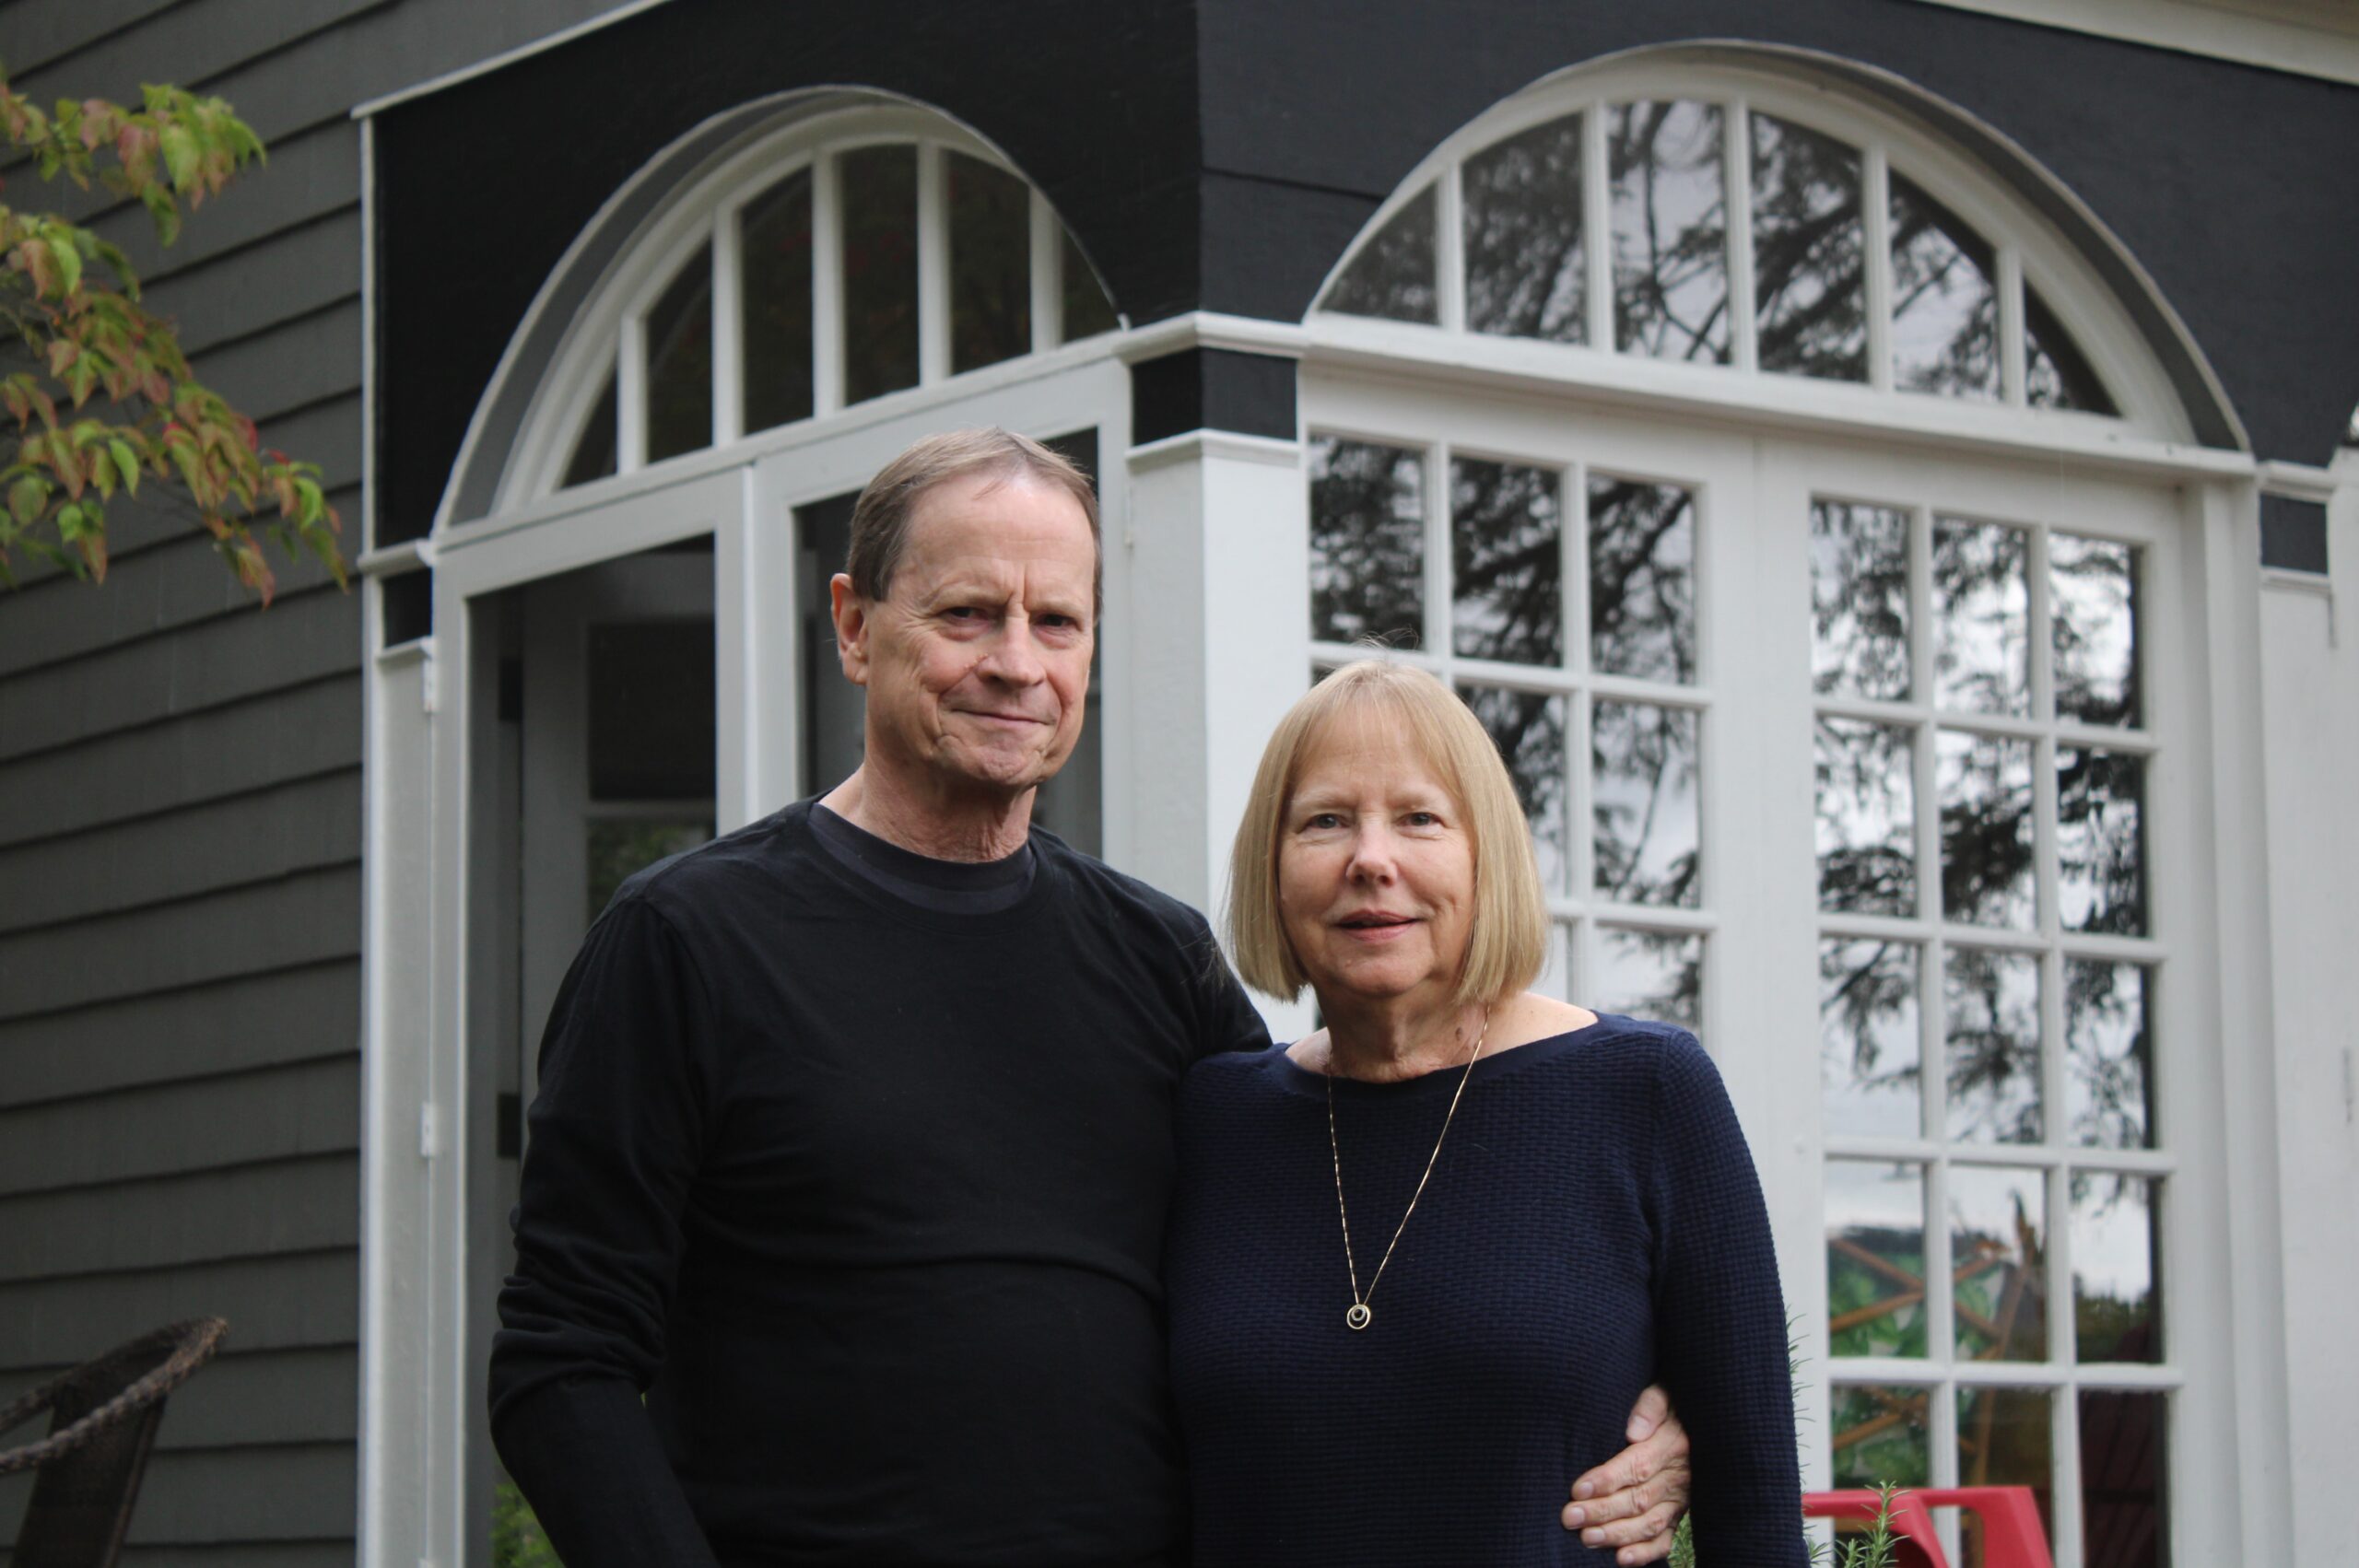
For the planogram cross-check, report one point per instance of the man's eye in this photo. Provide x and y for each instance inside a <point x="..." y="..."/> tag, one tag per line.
<point x="964" y="613"/>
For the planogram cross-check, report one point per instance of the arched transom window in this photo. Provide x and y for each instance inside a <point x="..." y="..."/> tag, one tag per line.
<point x="1737" y="452"/>
<point x="1753" y="227"/>
<point x="853" y="256"/>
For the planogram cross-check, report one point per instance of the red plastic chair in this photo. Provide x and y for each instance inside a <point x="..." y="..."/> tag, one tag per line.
<point x="2011" y="1536"/>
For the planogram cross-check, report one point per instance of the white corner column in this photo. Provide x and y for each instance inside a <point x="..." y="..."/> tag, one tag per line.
<point x="1217" y="536"/>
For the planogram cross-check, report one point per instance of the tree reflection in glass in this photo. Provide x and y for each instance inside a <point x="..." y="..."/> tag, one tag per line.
<point x="1642" y="578"/>
<point x="1522" y="229"/>
<point x="1986" y="796"/>
<point x="1999" y="1262"/>
<point x="2093" y="595"/>
<point x="1990" y="1042"/>
<point x="1880" y="1435"/>
<point x="1643" y="802"/>
<point x="2055" y="373"/>
<point x="2100" y="841"/>
<point x="1529" y="729"/>
<point x="2005" y="1437"/>
<point x="1875" y="1257"/>
<point x="1670" y="207"/>
<point x="1368" y="541"/>
<point x="2108" y="1055"/>
<point x="2115" y="1227"/>
<point x="1808" y="254"/>
<point x="1507" y="563"/>
<point x="1867" y="1040"/>
<point x="1866" y="827"/>
<point x="1859" y="599"/>
<point x="1944" y="303"/>
<point x="1981" y="617"/>
<point x="1657" y="975"/>
<point x="1394" y="275"/>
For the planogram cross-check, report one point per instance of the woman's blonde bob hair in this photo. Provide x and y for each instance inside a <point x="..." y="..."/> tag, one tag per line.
<point x="1508" y="939"/>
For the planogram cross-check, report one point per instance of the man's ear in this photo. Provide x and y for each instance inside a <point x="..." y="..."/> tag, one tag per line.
<point x="851" y="613"/>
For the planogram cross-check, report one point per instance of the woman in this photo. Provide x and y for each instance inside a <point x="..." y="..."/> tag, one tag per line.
<point x="1424" y="1258"/>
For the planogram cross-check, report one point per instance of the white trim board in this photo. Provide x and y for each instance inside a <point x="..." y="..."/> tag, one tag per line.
<point x="2307" y="39"/>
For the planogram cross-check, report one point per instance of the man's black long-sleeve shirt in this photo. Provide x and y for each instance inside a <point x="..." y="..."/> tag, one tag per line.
<point x="867" y="1197"/>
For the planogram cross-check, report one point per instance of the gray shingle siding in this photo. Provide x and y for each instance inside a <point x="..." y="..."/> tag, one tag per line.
<point x="179" y="817"/>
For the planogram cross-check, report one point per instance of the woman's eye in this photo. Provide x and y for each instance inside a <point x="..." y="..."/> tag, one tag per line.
<point x="1323" y="820"/>
<point x="1422" y="819"/>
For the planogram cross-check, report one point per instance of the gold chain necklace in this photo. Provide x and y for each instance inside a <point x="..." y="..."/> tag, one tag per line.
<point x="1360" y="1316"/>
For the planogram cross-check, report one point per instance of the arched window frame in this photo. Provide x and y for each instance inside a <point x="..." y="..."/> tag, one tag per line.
<point x="1760" y="448"/>
<point x="605" y="339"/>
<point x="2029" y="252"/>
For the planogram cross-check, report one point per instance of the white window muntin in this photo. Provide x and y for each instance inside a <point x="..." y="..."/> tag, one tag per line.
<point x="605" y="339"/>
<point x="2027" y="252"/>
<point x="2184" y="1044"/>
<point x="1540" y="433"/>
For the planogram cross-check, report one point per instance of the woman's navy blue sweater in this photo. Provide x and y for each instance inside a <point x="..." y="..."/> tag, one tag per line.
<point x="1594" y="1223"/>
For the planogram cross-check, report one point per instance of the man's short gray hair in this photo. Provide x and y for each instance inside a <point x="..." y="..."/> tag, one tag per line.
<point x="880" y="519"/>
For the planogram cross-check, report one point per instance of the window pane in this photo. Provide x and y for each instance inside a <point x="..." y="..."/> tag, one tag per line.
<point x="2115" y="1232"/>
<point x="1981" y="617"/>
<point x="594" y="452"/>
<point x="1669" y="203"/>
<point x="1858" y="593"/>
<point x="2109" y="1073"/>
<point x="650" y="722"/>
<point x="2055" y="373"/>
<point x="1642" y="578"/>
<point x="1394" y="273"/>
<point x="1867" y="818"/>
<point x="2004" y="1438"/>
<point x="1088" y="312"/>
<point x="990" y="264"/>
<point x="880" y="224"/>
<point x="619" y="848"/>
<point x="1945" y="306"/>
<point x="1506" y="548"/>
<point x="1644" y="811"/>
<point x="2123" y="1463"/>
<point x="1999" y="1268"/>
<point x="1990" y="1040"/>
<point x="1524" y="272"/>
<point x="1808" y="254"/>
<point x="1986" y="872"/>
<point x="2093" y="591"/>
<point x="2100" y="845"/>
<point x="1650" y="974"/>
<point x="1368" y="541"/>
<point x="1882" y="1435"/>
<point x="1529" y="729"/>
<point x="1868" y="1039"/>
<point x="775" y="234"/>
<point x="1875" y="1257"/>
<point x="679" y="362"/>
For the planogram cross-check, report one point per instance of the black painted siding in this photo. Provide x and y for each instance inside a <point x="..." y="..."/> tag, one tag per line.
<point x="180" y="818"/>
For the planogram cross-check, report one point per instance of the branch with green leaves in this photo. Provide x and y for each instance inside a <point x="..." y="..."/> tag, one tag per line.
<point x="102" y="397"/>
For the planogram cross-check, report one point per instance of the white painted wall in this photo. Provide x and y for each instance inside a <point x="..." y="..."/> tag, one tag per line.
<point x="2309" y="650"/>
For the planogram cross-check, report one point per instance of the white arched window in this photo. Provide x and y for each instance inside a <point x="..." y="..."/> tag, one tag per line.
<point x="835" y="260"/>
<point x="1804" y="517"/>
<point x="629" y="647"/>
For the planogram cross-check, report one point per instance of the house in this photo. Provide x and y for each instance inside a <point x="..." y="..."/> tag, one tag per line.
<point x="1875" y="464"/>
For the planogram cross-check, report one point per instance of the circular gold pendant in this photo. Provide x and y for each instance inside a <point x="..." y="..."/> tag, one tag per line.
<point x="1360" y="1316"/>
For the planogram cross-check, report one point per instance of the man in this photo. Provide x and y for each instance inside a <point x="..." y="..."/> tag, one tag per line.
<point x="853" y="1143"/>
